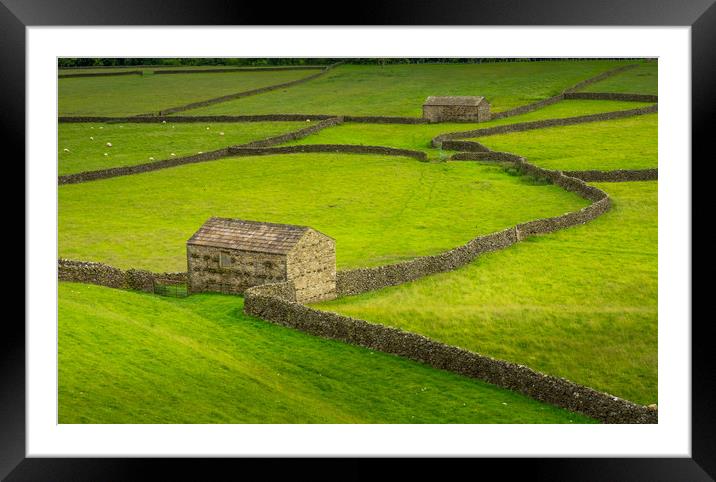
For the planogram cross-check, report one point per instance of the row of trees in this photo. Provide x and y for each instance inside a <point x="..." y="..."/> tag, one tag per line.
<point x="128" y="62"/>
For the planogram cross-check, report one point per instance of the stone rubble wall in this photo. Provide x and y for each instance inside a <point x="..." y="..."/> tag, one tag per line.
<point x="274" y="303"/>
<point x="560" y="97"/>
<point x="105" y="275"/>
<point x="361" y="280"/>
<point x="237" y="70"/>
<point x="611" y="96"/>
<point x="337" y="148"/>
<point x="295" y="135"/>
<point x="247" y="93"/>
<point x="195" y="118"/>
<point x="618" y="175"/>
<point x="100" y="74"/>
<point x="206" y="156"/>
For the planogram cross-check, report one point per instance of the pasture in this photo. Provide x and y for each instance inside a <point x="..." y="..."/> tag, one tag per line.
<point x="141" y="94"/>
<point x="400" y="90"/>
<point x="138" y="358"/>
<point x="579" y="303"/>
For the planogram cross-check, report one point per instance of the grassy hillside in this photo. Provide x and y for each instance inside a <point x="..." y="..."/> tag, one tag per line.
<point x="379" y="209"/>
<point x="133" y="144"/>
<point x="630" y="143"/>
<point x="580" y="303"/>
<point x="641" y="80"/>
<point x="125" y="95"/>
<point x="128" y="357"/>
<point x="400" y="90"/>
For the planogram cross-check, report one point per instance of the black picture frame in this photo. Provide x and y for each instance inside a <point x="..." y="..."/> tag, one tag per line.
<point x="16" y="15"/>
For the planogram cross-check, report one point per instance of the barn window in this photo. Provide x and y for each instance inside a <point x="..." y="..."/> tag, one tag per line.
<point x="224" y="260"/>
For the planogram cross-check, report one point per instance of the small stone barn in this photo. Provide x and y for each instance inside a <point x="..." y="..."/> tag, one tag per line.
<point x="456" y="108"/>
<point x="231" y="255"/>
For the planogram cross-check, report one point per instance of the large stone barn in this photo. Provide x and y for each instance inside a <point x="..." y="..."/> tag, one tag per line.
<point x="231" y="255"/>
<point x="456" y="108"/>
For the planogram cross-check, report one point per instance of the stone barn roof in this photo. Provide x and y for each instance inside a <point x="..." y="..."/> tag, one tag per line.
<point x="248" y="235"/>
<point x="469" y="100"/>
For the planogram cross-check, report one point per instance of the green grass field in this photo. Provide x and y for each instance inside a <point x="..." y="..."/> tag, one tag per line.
<point x="127" y="95"/>
<point x="580" y="303"/>
<point x="641" y="80"/>
<point x="400" y="90"/>
<point x="630" y="143"/>
<point x="127" y="357"/>
<point x="380" y="209"/>
<point x="418" y="136"/>
<point x="139" y="143"/>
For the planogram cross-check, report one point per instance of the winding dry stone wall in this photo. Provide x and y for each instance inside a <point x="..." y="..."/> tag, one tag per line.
<point x="139" y="168"/>
<point x="100" y="74"/>
<point x="600" y="77"/>
<point x="541" y="124"/>
<point x="195" y="118"/>
<point x="105" y="275"/>
<point x="618" y="175"/>
<point x="338" y="148"/>
<point x="206" y="156"/>
<point x="238" y="95"/>
<point x="611" y="96"/>
<point x="237" y="70"/>
<point x="274" y="303"/>
<point x="560" y="97"/>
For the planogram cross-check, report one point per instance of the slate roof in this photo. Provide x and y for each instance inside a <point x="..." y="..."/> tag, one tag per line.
<point x="248" y="235"/>
<point x="454" y="100"/>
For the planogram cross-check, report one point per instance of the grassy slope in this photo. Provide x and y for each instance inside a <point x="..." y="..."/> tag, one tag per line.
<point x="419" y="136"/>
<point x="136" y="94"/>
<point x="136" y="358"/>
<point x="379" y="209"/>
<point x="580" y="303"/>
<point x="400" y="90"/>
<point x="136" y="143"/>
<point x="630" y="143"/>
<point x="642" y="80"/>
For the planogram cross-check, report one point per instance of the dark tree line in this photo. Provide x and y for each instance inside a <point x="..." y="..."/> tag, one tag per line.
<point x="129" y="62"/>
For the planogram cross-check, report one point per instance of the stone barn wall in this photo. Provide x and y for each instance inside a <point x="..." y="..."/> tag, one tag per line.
<point x="230" y="270"/>
<point x="442" y="113"/>
<point x="311" y="265"/>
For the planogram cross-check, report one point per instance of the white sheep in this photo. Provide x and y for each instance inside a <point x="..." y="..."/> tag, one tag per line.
<point x="109" y="144"/>
<point x="106" y="153"/>
<point x="66" y="150"/>
<point x="91" y="138"/>
<point x="173" y="154"/>
<point x="151" y="158"/>
<point x="221" y="133"/>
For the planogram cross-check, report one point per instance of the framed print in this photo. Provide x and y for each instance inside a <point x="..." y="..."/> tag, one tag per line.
<point x="299" y="240"/>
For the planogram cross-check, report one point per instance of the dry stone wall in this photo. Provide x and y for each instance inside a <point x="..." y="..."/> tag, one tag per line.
<point x="100" y="74"/>
<point x="206" y="156"/>
<point x="541" y="124"/>
<point x="236" y="70"/>
<point x="238" y="95"/>
<point x="611" y="96"/>
<point x="618" y="175"/>
<point x="274" y="303"/>
<point x="560" y="97"/>
<point x="105" y="275"/>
